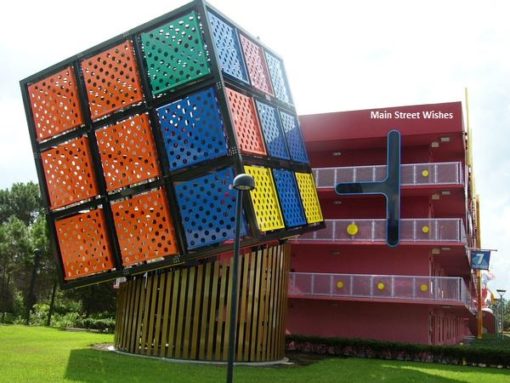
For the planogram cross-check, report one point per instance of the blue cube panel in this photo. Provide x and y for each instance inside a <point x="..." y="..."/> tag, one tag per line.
<point x="207" y="205"/>
<point x="193" y="129"/>
<point x="294" y="139"/>
<point x="228" y="48"/>
<point x="290" y="199"/>
<point x="276" y="71"/>
<point x="271" y="127"/>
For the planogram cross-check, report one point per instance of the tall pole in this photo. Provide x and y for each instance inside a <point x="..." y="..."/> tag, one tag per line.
<point x="242" y="182"/>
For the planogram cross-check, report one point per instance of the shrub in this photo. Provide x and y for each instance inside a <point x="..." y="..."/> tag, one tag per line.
<point x="400" y="351"/>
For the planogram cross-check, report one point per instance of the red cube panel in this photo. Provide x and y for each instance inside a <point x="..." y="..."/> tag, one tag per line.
<point x="128" y="152"/>
<point x="69" y="173"/>
<point x="246" y="123"/>
<point x="112" y="80"/>
<point x="256" y="64"/>
<point x="55" y="104"/>
<point x="144" y="227"/>
<point x="84" y="244"/>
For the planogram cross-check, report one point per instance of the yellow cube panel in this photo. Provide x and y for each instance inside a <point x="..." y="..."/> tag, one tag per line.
<point x="309" y="197"/>
<point x="265" y="200"/>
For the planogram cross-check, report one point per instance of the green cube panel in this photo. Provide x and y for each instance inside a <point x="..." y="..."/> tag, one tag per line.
<point x="175" y="54"/>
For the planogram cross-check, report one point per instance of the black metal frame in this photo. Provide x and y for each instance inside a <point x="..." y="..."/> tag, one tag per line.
<point x="149" y="104"/>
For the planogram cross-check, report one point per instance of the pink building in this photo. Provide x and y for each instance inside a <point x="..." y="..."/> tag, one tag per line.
<point x="345" y="280"/>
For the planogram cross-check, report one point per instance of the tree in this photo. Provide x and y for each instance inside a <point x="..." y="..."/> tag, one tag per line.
<point x="22" y="201"/>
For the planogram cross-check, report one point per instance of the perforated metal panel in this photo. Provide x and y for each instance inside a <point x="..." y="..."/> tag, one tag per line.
<point x="69" y="173"/>
<point x="207" y="205"/>
<point x="84" y="244"/>
<point x="290" y="199"/>
<point x="193" y="129"/>
<point x="144" y="227"/>
<point x="294" y="138"/>
<point x="309" y="197"/>
<point x="246" y="123"/>
<point x="264" y="199"/>
<point x="175" y="53"/>
<point x="275" y="140"/>
<point x="278" y="80"/>
<point x="55" y="104"/>
<point x="256" y="64"/>
<point x="228" y="48"/>
<point x="128" y="152"/>
<point x="112" y="80"/>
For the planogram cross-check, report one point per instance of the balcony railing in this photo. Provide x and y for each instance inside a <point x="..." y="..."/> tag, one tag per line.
<point x="441" y="173"/>
<point x="374" y="230"/>
<point x="444" y="290"/>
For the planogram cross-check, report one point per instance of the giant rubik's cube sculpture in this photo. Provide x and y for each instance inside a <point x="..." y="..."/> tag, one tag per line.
<point x="137" y="141"/>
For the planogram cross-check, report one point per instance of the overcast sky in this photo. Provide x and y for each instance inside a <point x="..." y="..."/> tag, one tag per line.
<point x="339" y="55"/>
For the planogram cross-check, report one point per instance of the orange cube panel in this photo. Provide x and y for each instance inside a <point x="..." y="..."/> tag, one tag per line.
<point x="112" y="80"/>
<point x="246" y="123"/>
<point x="69" y="173"/>
<point x="144" y="227"/>
<point x="128" y="152"/>
<point x="84" y="244"/>
<point x="256" y="63"/>
<point x="55" y="105"/>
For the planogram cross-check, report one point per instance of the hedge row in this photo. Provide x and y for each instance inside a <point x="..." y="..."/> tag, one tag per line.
<point x="360" y="348"/>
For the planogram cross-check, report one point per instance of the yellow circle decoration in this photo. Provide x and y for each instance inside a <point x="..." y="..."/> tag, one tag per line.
<point x="424" y="288"/>
<point x="381" y="286"/>
<point x="425" y="229"/>
<point x="425" y="173"/>
<point x="340" y="285"/>
<point x="352" y="229"/>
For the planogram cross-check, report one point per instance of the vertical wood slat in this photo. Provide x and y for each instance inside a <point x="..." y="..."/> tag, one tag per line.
<point x="221" y="313"/>
<point x="157" y="318"/>
<point x="139" y="304"/>
<point x="180" y="315"/>
<point x="173" y="314"/>
<point x="249" y="310"/>
<point x="196" y="312"/>
<point x="143" y="327"/>
<point x="262" y="306"/>
<point x="206" y="307"/>
<point x="166" y="309"/>
<point x="269" y="331"/>
<point x="227" y="310"/>
<point x="188" y="316"/>
<point x="214" y="314"/>
<point x="185" y="312"/>
<point x="283" y="296"/>
<point x="279" y="338"/>
<point x="256" y="306"/>
<point x="148" y="344"/>
<point x="129" y="312"/>
<point x="242" y="305"/>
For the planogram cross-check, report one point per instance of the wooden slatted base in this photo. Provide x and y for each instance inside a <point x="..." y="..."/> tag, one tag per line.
<point x="183" y="313"/>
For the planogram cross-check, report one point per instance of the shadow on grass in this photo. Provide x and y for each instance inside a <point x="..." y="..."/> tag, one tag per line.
<point x="87" y="365"/>
<point x="91" y="366"/>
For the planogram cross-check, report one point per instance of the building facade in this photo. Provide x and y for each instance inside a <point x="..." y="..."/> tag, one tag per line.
<point x="345" y="281"/>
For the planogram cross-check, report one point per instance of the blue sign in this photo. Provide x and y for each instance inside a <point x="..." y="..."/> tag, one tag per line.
<point x="480" y="259"/>
<point x="390" y="188"/>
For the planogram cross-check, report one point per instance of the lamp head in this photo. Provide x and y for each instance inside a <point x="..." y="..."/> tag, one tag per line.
<point x="244" y="182"/>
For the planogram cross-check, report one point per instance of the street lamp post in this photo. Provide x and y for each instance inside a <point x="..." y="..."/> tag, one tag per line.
<point x="242" y="182"/>
<point x="501" y="292"/>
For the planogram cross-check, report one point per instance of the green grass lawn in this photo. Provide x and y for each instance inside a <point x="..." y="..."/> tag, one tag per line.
<point x="36" y="354"/>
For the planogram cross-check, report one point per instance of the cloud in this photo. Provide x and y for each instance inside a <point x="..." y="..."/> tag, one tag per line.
<point x="339" y="55"/>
